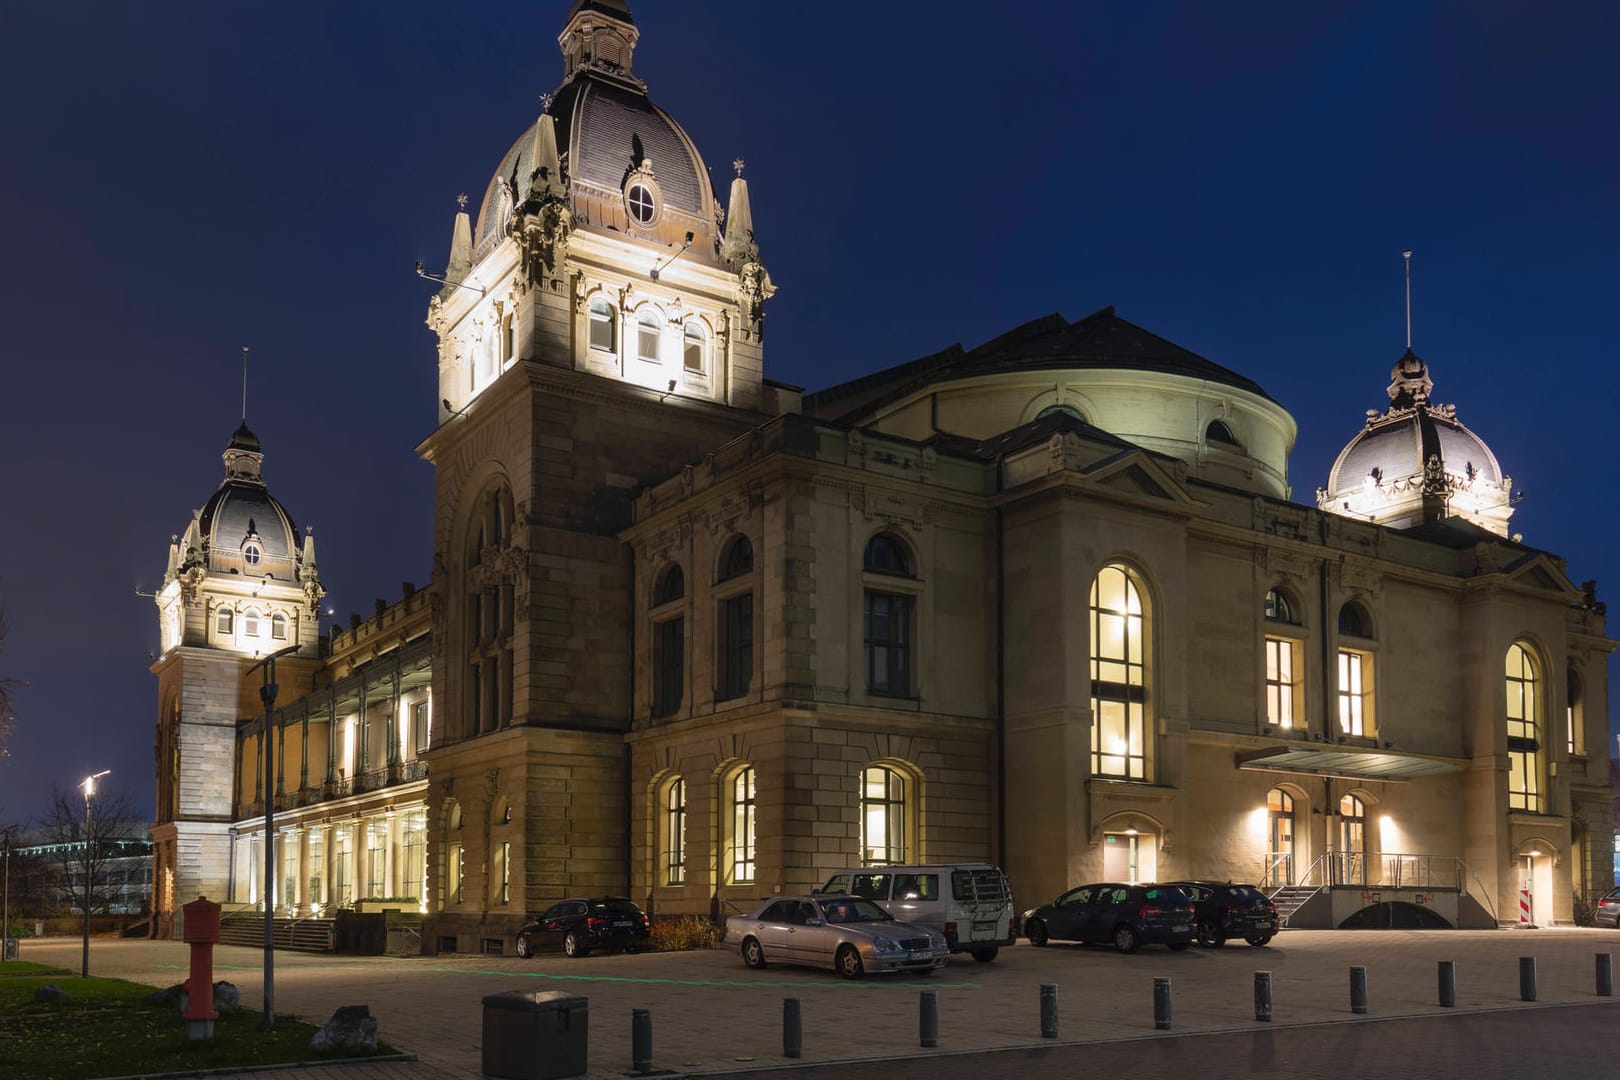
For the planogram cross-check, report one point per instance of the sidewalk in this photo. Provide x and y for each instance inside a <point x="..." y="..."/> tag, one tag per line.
<point x="711" y="1014"/>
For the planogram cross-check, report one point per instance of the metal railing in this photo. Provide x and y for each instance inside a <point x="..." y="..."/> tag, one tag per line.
<point x="1279" y="870"/>
<point x="1390" y="870"/>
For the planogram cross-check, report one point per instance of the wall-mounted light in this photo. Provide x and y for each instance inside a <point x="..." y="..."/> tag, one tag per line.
<point x="672" y="258"/>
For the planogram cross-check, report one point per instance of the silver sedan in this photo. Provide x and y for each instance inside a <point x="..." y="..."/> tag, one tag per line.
<point x="848" y="933"/>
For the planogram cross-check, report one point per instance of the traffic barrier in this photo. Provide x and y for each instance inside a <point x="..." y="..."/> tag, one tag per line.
<point x="641" y="1040"/>
<point x="1358" y="989"/>
<point x="1161" y="1003"/>
<point x="1049" y="1012"/>
<point x="1262" y="996"/>
<point x="1527" y="978"/>
<point x="1605" y="974"/>
<point x="792" y="1028"/>
<point x="1448" y="984"/>
<point x="928" y="1020"/>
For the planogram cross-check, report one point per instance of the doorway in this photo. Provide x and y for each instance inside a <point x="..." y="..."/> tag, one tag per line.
<point x="1130" y="856"/>
<point x="1279" y="839"/>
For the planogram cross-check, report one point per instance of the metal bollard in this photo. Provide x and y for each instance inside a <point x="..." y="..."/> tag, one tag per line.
<point x="1049" y="1010"/>
<point x="1161" y="1003"/>
<point x="792" y="1028"/>
<point x="1527" y="978"/>
<point x="1605" y="974"/>
<point x="1262" y="996"/>
<point x="928" y="1020"/>
<point x="1448" y="984"/>
<point x="1358" y="989"/>
<point x="641" y="1040"/>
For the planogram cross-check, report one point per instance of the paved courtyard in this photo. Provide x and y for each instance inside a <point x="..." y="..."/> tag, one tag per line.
<point x="711" y="1014"/>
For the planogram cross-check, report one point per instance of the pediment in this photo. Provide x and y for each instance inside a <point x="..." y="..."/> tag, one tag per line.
<point x="1542" y="572"/>
<point x="1136" y="473"/>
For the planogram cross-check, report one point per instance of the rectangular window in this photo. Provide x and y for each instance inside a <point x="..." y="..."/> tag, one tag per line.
<point x="421" y="726"/>
<point x="503" y="872"/>
<point x="1355" y="693"/>
<point x="675" y="833"/>
<point x="736" y="647"/>
<point x="887" y="630"/>
<point x="602" y="327"/>
<point x="455" y="872"/>
<point x="342" y="858"/>
<point x="742" y="827"/>
<point x="669" y="665"/>
<point x="1280" y="685"/>
<point x="413" y="836"/>
<point x="317" y="863"/>
<point x="376" y="859"/>
<point x="647" y="335"/>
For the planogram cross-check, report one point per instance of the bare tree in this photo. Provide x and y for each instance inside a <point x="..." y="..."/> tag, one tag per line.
<point x="8" y="687"/>
<point x="114" y="829"/>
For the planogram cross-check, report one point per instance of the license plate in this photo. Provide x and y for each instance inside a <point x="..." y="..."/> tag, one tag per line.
<point x="626" y="923"/>
<point x="1179" y="928"/>
<point x="984" y="927"/>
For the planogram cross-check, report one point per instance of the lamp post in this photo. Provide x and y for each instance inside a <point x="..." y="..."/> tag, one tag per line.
<point x="267" y="694"/>
<point x="5" y="897"/>
<point x="89" y="787"/>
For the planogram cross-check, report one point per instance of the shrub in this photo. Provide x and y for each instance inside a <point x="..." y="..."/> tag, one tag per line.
<point x="683" y="932"/>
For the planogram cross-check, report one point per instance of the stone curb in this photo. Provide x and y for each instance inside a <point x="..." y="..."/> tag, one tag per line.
<point x="234" y="1070"/>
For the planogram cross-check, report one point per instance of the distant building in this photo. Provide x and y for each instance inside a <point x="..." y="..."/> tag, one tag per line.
<point x="695" y="637"/>
<point x="123" y="879"/>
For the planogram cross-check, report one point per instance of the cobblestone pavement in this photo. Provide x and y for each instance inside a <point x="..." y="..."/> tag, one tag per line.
<point x="711" y="1014"/>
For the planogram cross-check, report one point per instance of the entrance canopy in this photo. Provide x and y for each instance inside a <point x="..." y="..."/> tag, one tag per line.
<point x="1346" y="763"/>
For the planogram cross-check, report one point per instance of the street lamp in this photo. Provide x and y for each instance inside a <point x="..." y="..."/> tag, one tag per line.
<point x="5" y="897"/>
<point x="267" y="694"/>
<point x="89" y="787"/>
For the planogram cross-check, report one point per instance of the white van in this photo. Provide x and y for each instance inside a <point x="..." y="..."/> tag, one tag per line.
<point x="970" y="903"/>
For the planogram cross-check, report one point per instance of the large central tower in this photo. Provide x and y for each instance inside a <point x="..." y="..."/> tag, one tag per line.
<point x="601" y="322"/>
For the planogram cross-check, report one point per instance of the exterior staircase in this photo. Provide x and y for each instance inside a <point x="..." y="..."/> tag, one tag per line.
<point x="1290" y="898"/>
<point x="306" y="935"/>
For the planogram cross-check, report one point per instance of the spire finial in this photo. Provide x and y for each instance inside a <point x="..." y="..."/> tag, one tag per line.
<point x="545" y="102"/>
<point x="737" y="163"/>
<point x="461" y="200"/>
<point x="244" y="385"/>
<point x="1407" y="255"/>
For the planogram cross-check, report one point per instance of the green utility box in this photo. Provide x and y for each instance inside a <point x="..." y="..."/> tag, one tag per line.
<point x="536" y="1036"/>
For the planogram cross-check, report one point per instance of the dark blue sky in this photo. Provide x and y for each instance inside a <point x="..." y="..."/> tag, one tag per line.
<point x="180" y="179"/>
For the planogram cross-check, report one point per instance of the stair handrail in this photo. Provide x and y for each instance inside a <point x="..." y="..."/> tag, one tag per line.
<point x="1482" y="891"/>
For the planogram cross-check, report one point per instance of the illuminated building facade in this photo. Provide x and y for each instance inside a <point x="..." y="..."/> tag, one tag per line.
<point x="696" y="637"/>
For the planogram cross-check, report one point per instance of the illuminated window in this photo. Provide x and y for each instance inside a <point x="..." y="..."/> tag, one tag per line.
<point x="456" y="867"/>
<point x="1352" y="831"/>
<point x="1281" y="685"/>
<point x="342" y="860"/>
<point x="376" y="858"/>
<point x="735" y="625"/>
<point x="1574" y="713"/>
<point x="278" y="627"/>
<point x="883" y="816"/>
<point x="503" y="872"/>
<point x="696" y="347"/>
<point x="315" y="866"/>
<point x="421" y="726"/>
<point x="675" y="832"/>
<point x="1355" y="692"/>
<point x="1279" y="837"/>
<point x="224" y="620"/>
<point x="742" y="826"/>
<point x="602" y="334"/>
<point x="1523" y="729"/>
<point x="1118" y="677"/>
<point x="642" y="205"/>
<point x="250" y="622"/>
<point x="648" y="332"/>
<point x="888" y="617"/>
<point x="668" y="644"/>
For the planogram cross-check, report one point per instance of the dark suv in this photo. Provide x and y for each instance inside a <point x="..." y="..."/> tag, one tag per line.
<point x="1127" y="915"/>
<point x="578" y="926"/>
<point x="1230" y="911"/>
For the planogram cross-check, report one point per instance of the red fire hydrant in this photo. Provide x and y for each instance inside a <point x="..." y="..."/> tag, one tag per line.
<point x="200" y="930"/>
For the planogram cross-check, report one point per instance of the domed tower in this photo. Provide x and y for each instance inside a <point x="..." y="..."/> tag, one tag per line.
<point x="599" y="244"/>
<point x="239" y="586"/>
<point x="1415" y="462"/>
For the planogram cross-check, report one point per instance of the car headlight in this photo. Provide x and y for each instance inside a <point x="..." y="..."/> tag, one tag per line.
<point x="884" y="944"/>
<point x="938" y="941"/>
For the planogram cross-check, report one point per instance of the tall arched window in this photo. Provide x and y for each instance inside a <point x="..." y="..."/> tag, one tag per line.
<point x="888" y="616"/>
<point x="1119" y="735"/>
<point x="489" y="613"/>
<point x="1524" y="729"/>
<point x="1352" y="839"/>
<point x="742" y="826"/>
<point x="734" y="645"/>
<point x="648" y="332"/>
<point x="883" y="816"/>
<point x="1355" y="684"/>
<point x="695" y="350"/>
<point x="1279" y="837"/>
<point x="250" y="622"/>
<point x="224" y="621"/>
<point x="603" y="325"/>
<point x="668" y="642"/>
<point x="278" y="627"/>
<point x="674" y="826"/>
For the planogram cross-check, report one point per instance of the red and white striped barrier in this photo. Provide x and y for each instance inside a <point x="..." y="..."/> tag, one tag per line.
<point x="1524" y="907"/>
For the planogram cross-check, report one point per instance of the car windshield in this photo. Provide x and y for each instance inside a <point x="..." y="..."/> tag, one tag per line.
<point x="615" y="907"/>
<point x="854" y="910"/>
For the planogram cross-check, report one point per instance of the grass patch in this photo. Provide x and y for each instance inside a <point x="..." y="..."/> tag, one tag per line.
<point x="104" y="1028"/>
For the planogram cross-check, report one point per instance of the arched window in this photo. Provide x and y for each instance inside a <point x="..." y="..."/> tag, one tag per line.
<point x="1061" y="410"/>
<point x="1353" y="621"/>
<point x="695" y="347"/>
<point x="883" y="816"/>
<point x="1278" y="607"/>
<point x="1355" y="685"/>
<point x="489" y="613"/>
<point x="278" y="627"/>
<point x="224" y="621"/>
<point x="250" y="622"/>
<point x="1279" y="838"/>
<point x="603" y="326"/>
<point x="1352" y="839"/>
<point x="888" y="618"/>
<point x="734" y="646"/>
<point x="1523" y="729"/>
<point x="675" y="832"/>
<point x="742" y="826"/>
<point x="1220" y="433"/>
<point x="648" y="331"/>
<point x="1119" y="735"/>
<point x="668" y="643"/>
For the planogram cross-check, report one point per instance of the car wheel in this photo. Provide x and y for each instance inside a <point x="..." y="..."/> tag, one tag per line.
<point x="753" y="953"/>
<point x="1210" y="935"/>
<point x="1179" y="946"/>
<point x="523" y="949"/>
<point x="848" y="962"/>
<point x="984" y="956"/>
<point x="573" y="946"/>
<point x="1259" y="939"/>
<point x="1125" y="939"/>
<point x="1036" y="932"/>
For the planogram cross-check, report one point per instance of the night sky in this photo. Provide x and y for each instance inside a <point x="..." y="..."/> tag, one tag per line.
<point x="181" y="179"/>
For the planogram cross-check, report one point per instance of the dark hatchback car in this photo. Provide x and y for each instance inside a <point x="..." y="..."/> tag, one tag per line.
<point x="578" y="926"/>
<point x="1229" y="911"/>
<point x="1127" y="915"/>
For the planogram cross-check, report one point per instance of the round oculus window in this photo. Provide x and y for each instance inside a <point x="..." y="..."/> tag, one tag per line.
<point x="251" y="554"/>
<point x="641" y="203"/>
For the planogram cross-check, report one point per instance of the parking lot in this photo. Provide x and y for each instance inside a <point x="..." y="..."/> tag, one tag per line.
<point x="712" y="1014"/>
